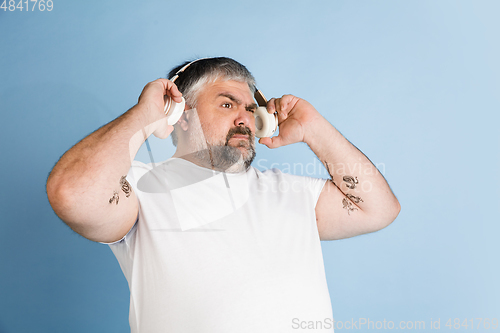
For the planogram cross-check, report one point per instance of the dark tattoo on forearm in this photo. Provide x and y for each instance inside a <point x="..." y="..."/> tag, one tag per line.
<point x="354" y="198"/>
<point x="348" y="205"/>
<point x="125" y="186"/>
<point x="115" y="197"/>
<point x="351" y="181"/>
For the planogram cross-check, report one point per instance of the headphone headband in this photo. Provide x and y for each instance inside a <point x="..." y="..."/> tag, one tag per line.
<point x="259" y="97"/>
<point x="184" y="68"/>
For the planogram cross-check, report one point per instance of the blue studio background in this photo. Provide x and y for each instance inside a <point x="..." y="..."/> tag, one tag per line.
<point x="414" y="84"/>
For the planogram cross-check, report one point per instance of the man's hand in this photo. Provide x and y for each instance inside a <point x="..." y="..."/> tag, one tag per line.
<point x="153" y="98"/>
<point x="295" y="117"/>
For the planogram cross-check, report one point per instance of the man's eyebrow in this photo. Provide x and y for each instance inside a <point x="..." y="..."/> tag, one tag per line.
<point x="251" y="107"/>
<point x="233" y="98"/>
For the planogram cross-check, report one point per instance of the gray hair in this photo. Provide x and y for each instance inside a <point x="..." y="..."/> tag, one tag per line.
<point x="203" y="71"/>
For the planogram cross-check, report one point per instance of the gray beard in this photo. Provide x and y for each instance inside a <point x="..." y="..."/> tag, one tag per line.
<point x="221" y="156"/>
<point x="225" y="158"/>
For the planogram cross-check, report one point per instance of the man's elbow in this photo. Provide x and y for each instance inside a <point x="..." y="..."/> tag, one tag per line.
<point x="59" y="198"/>
<point x="390" y="213"/>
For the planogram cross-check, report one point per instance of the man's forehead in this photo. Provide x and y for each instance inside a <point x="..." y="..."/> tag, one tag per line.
<point x="231" y="88"/>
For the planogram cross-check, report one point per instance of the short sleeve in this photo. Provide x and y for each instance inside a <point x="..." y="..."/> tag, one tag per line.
<point x="315" y="187"/>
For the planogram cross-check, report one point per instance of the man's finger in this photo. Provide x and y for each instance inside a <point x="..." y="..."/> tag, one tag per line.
<point x="170" y="89"/>
<point x="274" y="142"/>
<point x="271" y="106"/>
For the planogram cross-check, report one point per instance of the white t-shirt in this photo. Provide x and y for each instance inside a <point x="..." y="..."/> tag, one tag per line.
<point x="221" y="252"/>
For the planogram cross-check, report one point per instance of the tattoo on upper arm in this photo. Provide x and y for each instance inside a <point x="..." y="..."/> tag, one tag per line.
<point x="125" y="186"/>
<point x="114" y="197"/>
<point x="347" y="202"/>
<point x="354" y="198"/>
<point x="348" y="205"/>
<point x="351" y="181"/>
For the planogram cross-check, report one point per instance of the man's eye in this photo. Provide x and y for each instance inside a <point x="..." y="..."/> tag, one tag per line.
<point x="227" y="105"/>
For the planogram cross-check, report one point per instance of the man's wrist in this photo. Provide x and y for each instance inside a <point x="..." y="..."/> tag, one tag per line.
<point x="315" y="130"/>
<point x="148" y="116"/>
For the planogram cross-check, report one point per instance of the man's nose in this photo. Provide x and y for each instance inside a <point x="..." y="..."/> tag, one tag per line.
<point x="244" y="118"/>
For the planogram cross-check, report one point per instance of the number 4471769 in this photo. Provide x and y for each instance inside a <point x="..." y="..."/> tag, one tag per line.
<point x="38" y="5"/>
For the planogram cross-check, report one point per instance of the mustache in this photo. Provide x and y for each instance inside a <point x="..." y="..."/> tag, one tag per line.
<point x="239" y="130"/>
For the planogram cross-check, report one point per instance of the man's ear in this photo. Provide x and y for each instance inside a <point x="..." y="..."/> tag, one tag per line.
<point x="183" y="121"/>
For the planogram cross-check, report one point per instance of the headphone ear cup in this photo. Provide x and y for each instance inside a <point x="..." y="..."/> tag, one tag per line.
<point x="265" y="122"/>
<point x="174" y="110"/>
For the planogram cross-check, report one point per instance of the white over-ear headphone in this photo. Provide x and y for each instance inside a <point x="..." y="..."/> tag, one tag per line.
<point x="265" y="123"/>
<point x="172" y="109"/>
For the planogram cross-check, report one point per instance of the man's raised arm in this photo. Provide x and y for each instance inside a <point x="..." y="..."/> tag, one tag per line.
<point x="357" y="199"/>
<point x="87" y="187"/>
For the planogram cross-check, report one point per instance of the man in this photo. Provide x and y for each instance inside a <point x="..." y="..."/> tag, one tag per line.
<point x="206" y="242"/>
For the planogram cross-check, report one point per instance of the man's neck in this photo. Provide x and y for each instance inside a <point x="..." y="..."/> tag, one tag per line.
<point x="205" y="159"/>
